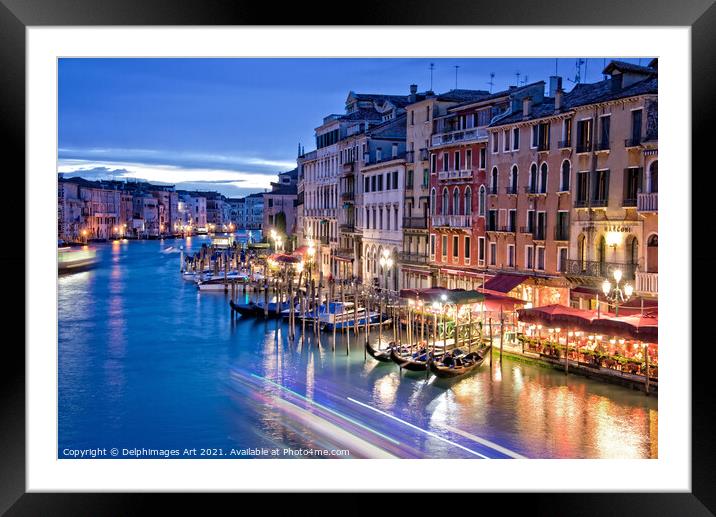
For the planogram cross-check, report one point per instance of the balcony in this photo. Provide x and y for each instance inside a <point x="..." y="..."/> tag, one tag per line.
<point x="323" y="239"/>
<point x="348" y="168"/>
<point x="511" y="191"/>
<point x="565" y="144"/>
<point x="347" y="228"/>
<point x="647" y="283"/>
<point x="600" y="203"/>
<point x="416" y="223"/>
<point x="633" y="142"/>
<point x="413" y="258"/>
<point x="543" y="146"/>
<point x="492" y="190"/>
<point x="594" y="269"/>
<point x="584" y="147"/>
<point x="534" y="191"/>
<point x="345" y="252"/>
<point x="629" y="202"/>
<point x="602" y="146"/>
<point x="452" y="221"/>
<point x="464" y="135"/>
<point x="500" y="229"/>
<point x="347" y="196"/>
<point x="455" y="175"/>
<point x="647" y="202"/>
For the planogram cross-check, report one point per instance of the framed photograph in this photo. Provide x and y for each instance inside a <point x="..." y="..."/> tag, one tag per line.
<point x="414" y="248"/>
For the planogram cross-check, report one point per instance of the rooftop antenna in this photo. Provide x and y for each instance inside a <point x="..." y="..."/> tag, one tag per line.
<point x="524" y="81"/>
<point x="578" y="65"/>
<point x="555" y="66"/>
<point x="586" y="60"/>
<point x="491" y="82"/>
<point x="432" y="67"/>
<point x="456" y="67"/>
<point x="518" y="77"/>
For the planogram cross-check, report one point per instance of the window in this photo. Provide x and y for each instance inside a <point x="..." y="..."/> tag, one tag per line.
<point x="582" y="188"/>
<point x="529" y="257"/>
<point x="426" y="177"/>
<point x="513" y="180"/>
<point x="433" y="162"/>
<point x="372" y="183"/>
<point x="483" y="157"/>
<point x="493" y="181"/>
<point x="633" y="178"/>
<point x="539" y="234"/>
<point x="395" y="180"/>
<point x="481" y="201"/>
<point x="412" y="117"/>
<point x="564" y="176"/>
<point x="566" y="133"/>
<point x="380" y="218"/>
<point x="468" y="159"/>
<point x="600" y="194"/>
<point x="457" y="160"/>
<point x="533" y="178"/>
<point x="543" y="136"/>
<point x="455" y="201"/>
<point x="483" y="117"/>
<point x="445" y="162"/>
<point x="455" y="246"/>
<point x="511" y="255"/>
<point x="367" y="218"/>
<point x="495" y="143"/>
<point x="432" y="246"/>
<point x="562" y="227"/>
<point x="481" y="251"/>
<point x="427" y="112"/>
<point x="604" y="132"/>
<point x="561" y="259"/>
<point x="443" y="251"/>
<point x="467" y="207"/>
<point x="515" y="139"/>
<point x="584" y="135"/>
<point x="530" y="221"/>
<point x="540" y="258"/>
<point x="512" y="220"/>
<point x="492" y="220"/>
<point x="379" y="154"/>
<point x="493" y="253"/>
<point x="409" y="179"/>
<point x="444" y="210"/>
<point x="636" y="127"/>
<point x="535" y="137"/>
<point x="506" y="140"/>
<point x="467" y="250"/>
<point x="543" y="178"/>
<point x="433" y="202"/>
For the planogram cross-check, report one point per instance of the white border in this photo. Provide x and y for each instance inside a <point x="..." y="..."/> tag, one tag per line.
<point x="670" y="472"/>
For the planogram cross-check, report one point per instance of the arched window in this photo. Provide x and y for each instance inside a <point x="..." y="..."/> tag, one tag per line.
<point x="468" y="201"/>
<point x="445" y="202"/>
<point x="633" y="250"/>
<point x="433" y="200"/>
<point x="652" y="254"/>
<point x="481" y="201"/>
<point x="513" y="179"/>
<point x="533" y="178"/>
<point x="654" y="177"/>
<point x="564" y="179"/>
<point x="543" y="178"/>
<point x="455" y="201"/>
<point x="493" y="181"/>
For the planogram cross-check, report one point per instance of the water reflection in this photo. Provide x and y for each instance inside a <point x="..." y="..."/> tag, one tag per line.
<point x="145" y="359"/>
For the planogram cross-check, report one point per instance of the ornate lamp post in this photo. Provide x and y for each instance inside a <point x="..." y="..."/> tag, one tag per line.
<point x="616" y="294"/>
<point x="311" y="253"/>
<point x="386" y="263"/>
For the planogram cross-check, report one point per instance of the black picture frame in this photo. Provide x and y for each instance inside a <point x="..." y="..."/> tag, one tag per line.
<point x="17" y="15"/>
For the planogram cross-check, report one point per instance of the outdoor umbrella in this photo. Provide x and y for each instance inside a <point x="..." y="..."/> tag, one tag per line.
<point x="642" y="327"/>
<point x="558" y="316"/>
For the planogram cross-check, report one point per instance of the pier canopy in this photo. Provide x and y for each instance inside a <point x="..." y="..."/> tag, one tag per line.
<point x="443" y="295"/>
<point x="558" y="315"/>
<point x="642" y="327"/>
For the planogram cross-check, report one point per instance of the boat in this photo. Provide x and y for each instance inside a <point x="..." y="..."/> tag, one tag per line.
<point x="219" y="283"/>
<point x="382" y="355"/>
<point x="348" y="318"/>
<point x="456" y="362"/>
<point x="71" y="260"/>
<point x="415" y="361"/>
<point x="333" y="308"/>
<point x="257" y="309"/>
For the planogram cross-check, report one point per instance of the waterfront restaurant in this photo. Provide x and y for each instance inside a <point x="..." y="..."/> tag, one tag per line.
<point x="625" y="345"/>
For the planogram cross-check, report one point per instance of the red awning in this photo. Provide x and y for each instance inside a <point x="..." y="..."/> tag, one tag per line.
<point x="558" y="315"/>
<point x="644" y="328"/>
<point x="494" y="301"/>
<point x="504" y="283"/>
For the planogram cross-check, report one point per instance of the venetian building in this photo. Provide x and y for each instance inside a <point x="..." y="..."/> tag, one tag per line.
<point x="613" y="148"/>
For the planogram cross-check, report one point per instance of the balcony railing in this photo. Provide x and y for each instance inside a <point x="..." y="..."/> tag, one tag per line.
<point x="602" y="202"/>
<point x="647" y="202"/>
<point x="511" y="191"/>
<point x="581" y="203"/>
<point x="324" y="240"/>
<point x="534" y="190"/>
<point x="543" y="146"/>
<point x="500" y="229"/>
<point x="345" y="252"/>
<point x="647" y="283"/>
<point x="347" y="227"/>
<point x="455" y="175"/>
<point x="418" y="223"/>
<point x="565" y="144"/>
<point x="492" y="190"/>
<point x="464" y="135"/>
<point x="584" y="147"/>
<point x="348" y="168"/>
<point x="596" y="269"/>
<point x="347" y="196"/>
<point x="629" y="202"/>
<point x="413" y="258"/>
<point x="633" y="142"/>
<point x="603" y="146"/>
<point x="454" y="221"/>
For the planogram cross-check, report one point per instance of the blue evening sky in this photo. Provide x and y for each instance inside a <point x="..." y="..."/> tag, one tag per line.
<point x="232" y="124"/>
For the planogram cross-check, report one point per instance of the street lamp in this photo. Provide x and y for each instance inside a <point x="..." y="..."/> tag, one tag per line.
<point x="616" y="294"/>
<point x="386" y="263"/>
<point x="311" y="253"/>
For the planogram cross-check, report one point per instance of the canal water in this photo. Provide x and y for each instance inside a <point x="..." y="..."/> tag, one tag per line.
<point x="147" y="363"/>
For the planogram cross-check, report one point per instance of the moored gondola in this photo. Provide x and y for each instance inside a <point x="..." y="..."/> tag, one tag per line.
<point x="416" y="361"/>
<point x="382" y="355"/>
<point x="457" y="362"/>
<point x="246" y="309"/>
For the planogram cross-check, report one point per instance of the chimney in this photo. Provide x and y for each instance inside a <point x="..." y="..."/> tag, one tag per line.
<point x="413" y="91"/>
<point x="558" y="100"/>
<point x="555" y="83"/>
<point x="526" y="107"/>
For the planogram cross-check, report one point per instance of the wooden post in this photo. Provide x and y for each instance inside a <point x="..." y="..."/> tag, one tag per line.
<point x="490" y="326"/>
<point x="566" y="352"/>
<point x="266" y="299"/>
<point x="646" y="359"/>
<point x="502" y="332"/>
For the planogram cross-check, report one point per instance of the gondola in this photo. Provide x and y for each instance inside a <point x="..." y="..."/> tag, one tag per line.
<point x="382" y="355"/>
<point x="413" y="361"/>
<point x="246" y="309"/>
<point x="457" y="362"/>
